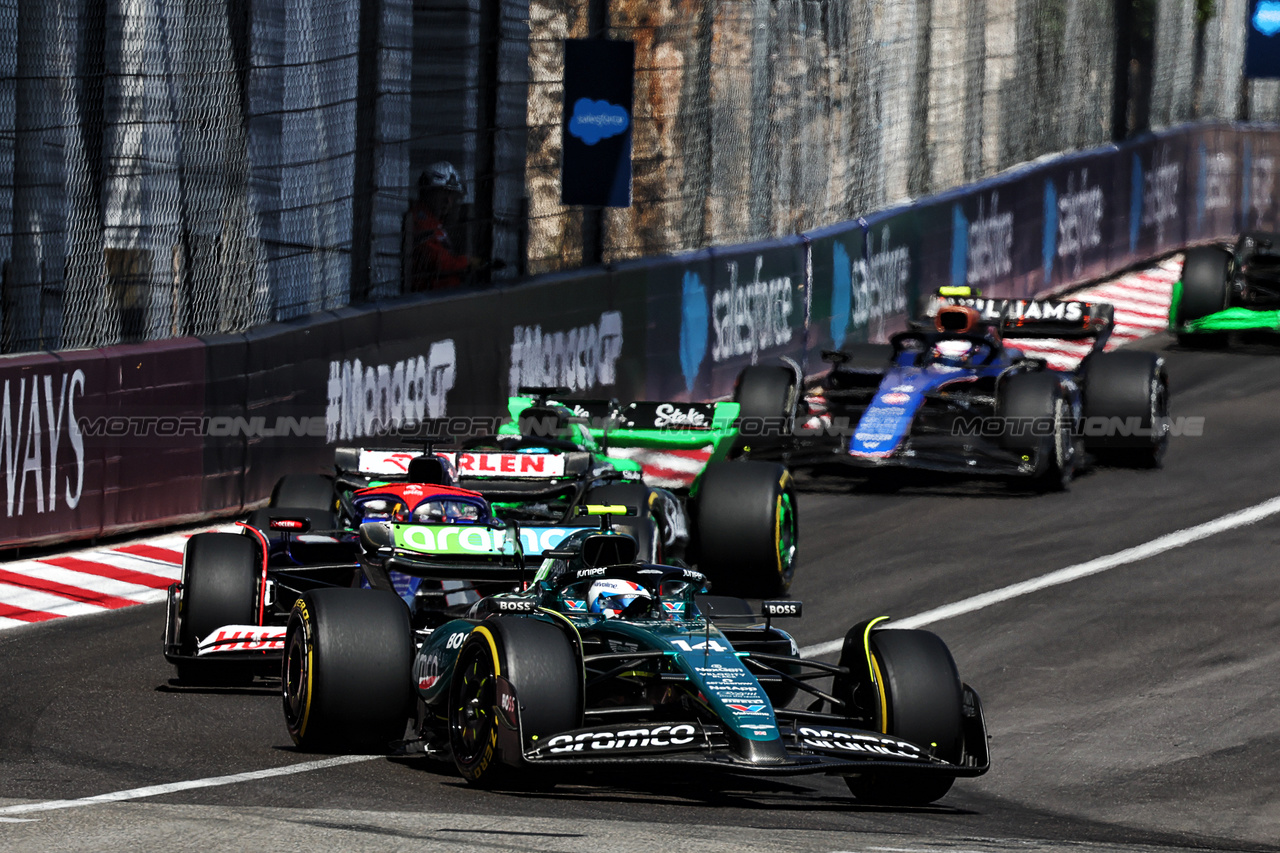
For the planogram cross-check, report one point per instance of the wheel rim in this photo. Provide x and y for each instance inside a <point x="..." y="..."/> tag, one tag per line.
<point x="786" y="534"/>
<point x="1159" y="417"/>
<point x="297" y="683"/>
<point x="472" y="713"/>
<point x="1062" y="440"/>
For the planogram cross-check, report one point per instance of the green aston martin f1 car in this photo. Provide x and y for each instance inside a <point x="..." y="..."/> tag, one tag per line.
<point x="605" y="661"/>
<point x="1226" y="290"/>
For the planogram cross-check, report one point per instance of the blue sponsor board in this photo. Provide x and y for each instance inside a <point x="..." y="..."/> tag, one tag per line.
<point x="1213" y="184"/>
<point x="712" y="313"/>
<point x="1079" y="207"/>
<point x="598" y="90"/>
<point x="864" y="279"/>
<point x="1262" y="42"/>
<point x="1259" y="162"/>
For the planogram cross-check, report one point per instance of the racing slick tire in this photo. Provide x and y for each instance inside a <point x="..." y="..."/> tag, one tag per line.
<point x="921" y="701"/>
<point x="540" y="663"/>
<point x="304" y="491"/>
<point x="221" y="573"/>
<point x="348" y="670"/>
<point x="1203" y="291"/>
<point x="767" y="395"/>
<point x="1133" y="388"/>
<point x="747" y="528"/>
<point x="1037" y="419"/>
<point x="643" y="526"/>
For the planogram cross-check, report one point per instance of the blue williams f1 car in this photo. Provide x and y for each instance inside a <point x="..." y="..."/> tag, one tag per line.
<point x="601" y="660"/>
<point x="957" y="395"/>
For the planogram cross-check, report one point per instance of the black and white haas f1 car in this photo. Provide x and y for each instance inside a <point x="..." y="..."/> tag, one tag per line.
<point x="607" y="662"/>
<point x="957" y="395"/>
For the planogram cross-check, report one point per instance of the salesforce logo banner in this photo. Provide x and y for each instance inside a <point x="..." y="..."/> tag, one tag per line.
<point x="1213" y="174"/>
<point x="1077" y="225"/>
<point x="864" y="282"/>
<point x="596" y="134"/>
<point x="989" y="239"/>
<point x="713" y="313"/>
<point x="1259" y="166"/>
<point x="1157" y="195"/>
<point x="1262" y="45"/>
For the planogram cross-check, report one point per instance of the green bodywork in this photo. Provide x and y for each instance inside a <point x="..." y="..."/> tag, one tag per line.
<point x="1227" y="320"/>
<point x="600" y="438"/>
<point x="714" y="675"/>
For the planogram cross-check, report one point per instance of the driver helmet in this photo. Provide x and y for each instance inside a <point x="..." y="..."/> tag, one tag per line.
<point x="953" y="353"/>
<point x="443" y="176"/>
<point x="609" y="597"/>
<point x="445" y="511"/>
<point x="957" y="318"/>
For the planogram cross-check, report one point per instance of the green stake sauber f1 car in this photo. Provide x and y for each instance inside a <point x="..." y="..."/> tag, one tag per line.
<point x="1226" y="290"/>
<point x="606" y="661"/>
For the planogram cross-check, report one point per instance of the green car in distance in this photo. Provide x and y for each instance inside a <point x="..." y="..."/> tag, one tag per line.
<point x="1225" y="290"/>
<point x="605" y="661"/>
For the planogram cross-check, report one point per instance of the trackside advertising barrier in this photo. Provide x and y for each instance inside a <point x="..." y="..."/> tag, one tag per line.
<point x="95" y="442"/>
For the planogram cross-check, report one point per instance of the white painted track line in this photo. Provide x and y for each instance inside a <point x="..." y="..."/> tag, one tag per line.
<point x="1156" y="546"/>
<point x="174" y="787"/>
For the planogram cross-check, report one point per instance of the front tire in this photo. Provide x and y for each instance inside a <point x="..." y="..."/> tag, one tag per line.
<point x="540" y="663"/>
<point x="922" y="702"/>
<point x="304" y="491"/>
<point x="1202" y="290"/>
<point x="747" y="528"/>
<point x="221" y="573"/>
<point x="348" y="670"/>
<point x="1037" y="419"/>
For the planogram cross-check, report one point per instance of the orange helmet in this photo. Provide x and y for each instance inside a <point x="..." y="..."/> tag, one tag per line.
<point x="957" y="318"/>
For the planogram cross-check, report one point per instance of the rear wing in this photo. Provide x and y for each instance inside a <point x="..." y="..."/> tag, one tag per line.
<point x="1063" y="319"/>
<point x="657" y="425"/>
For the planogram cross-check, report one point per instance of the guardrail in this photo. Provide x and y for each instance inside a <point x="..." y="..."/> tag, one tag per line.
<point x="94" y="442"/>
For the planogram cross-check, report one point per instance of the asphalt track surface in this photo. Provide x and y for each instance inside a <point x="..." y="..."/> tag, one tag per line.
<point x="1133" y="709"/>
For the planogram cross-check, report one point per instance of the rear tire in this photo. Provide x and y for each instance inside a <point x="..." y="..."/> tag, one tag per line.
<point x="540" y="662"/>
<point x="924" y="704"/>
<point x="1128" y="385"/>
<point x="747" y="528"/>
<point x="767" y="396"/>
<point x="221" y="573"/>
<point x="304" y="491"/>
<point x="348" y="671"/>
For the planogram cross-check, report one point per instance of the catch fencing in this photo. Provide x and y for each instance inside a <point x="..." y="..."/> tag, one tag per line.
<point x="190" y="167"/>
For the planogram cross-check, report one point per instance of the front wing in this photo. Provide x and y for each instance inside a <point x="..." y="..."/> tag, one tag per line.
<point x="1233" y="320"/>
<point x="808" y="746"/>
